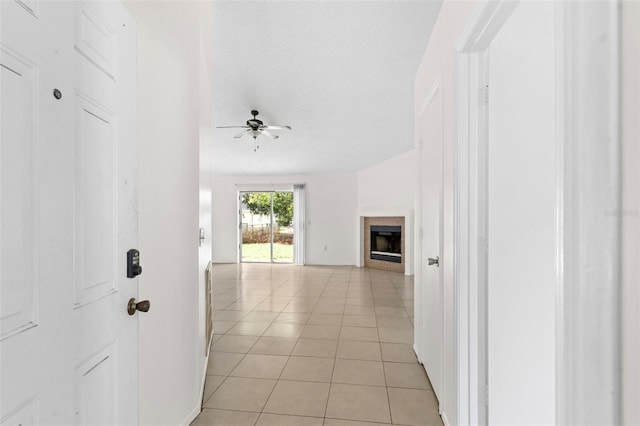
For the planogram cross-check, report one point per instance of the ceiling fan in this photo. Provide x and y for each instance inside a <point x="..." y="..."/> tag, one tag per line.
<point x="255" y="128"/>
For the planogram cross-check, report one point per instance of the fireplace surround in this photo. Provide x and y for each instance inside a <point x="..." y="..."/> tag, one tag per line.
<point x="384" y="243"/>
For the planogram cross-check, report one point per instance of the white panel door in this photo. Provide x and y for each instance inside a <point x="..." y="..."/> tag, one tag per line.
<point x="68" y="210"/>
<point x="431" y="292"/>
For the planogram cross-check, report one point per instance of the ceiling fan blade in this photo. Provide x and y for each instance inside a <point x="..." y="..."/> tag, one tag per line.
<point x="241" y="134"/>
<point x="232" y="127"/>
<point x="275" y="127"/>
<point x="268" y="133"/>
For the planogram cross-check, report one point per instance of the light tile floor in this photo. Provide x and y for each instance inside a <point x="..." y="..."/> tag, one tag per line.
<point x="314" y="346"/>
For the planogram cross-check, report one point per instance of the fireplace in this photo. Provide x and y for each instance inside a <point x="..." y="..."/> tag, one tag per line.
<point x="386" y="243"/>
<point x="383" y="243"/>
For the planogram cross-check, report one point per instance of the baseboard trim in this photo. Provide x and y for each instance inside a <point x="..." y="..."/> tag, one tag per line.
<point x="415" y="351"/>
<point x="191" y="416"/>
<point x="204" y="376"/>
<point x="198" y="408"/>
<point x="445" y="420"/>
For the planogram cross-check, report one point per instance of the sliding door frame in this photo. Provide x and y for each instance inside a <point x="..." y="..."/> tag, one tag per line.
<point x="271" y="193"/>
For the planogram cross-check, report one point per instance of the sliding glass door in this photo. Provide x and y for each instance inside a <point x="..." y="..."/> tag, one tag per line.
<point x="266" y="226"/>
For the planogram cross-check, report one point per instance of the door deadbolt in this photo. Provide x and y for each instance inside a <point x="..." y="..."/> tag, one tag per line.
<point x="133" y="263"/>
<point x="435" y="261"/>
<point x="142" y="306"/>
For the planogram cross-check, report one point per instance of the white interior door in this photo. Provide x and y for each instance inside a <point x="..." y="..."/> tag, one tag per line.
<point x="431" y="292"/>
<point x="68" y="213"/>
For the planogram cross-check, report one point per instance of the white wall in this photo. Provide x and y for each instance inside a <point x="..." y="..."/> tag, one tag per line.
<point x="437" y="63"/>
<point x="388" y="189"/>
<point x="170" y="348"/>
<point x="331" y="201"/>
<point x="389" y="185"/>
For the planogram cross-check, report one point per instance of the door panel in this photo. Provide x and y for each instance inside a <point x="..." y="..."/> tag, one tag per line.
<point x="96" y="389"/>
<point x="96" y="40"/>
<point x="25" y="415"/>
<point x="30" y="6"/>
<point x="431" y="292"/>
<point x="95" y="221"/>
<point x="105" y="206"/>
<point x="256" y="226"/>
<point x="18" y="302"/>
<point x="21" y="74"/>
<point x="283" y="234"/>
<point x="68" y="213"/>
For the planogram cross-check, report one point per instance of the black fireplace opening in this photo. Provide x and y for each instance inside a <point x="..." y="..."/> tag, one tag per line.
<point x="386" y="243"/>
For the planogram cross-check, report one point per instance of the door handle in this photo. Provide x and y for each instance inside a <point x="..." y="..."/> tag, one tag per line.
<point x="201" y="237"/>
<point x="435" y="261"/>
<point x="142" y="306"/>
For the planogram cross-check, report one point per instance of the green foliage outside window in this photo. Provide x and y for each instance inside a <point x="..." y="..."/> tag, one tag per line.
<point x="259" y="203"/>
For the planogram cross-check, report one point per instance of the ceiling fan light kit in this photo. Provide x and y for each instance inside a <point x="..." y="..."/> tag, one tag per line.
<point x="254" y="128"/>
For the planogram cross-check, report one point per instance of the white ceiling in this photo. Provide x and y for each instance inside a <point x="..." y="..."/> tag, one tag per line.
<point x="339" y="73"/>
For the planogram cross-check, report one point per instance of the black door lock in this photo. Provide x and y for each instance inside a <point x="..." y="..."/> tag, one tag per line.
<point x="133" y="263"/>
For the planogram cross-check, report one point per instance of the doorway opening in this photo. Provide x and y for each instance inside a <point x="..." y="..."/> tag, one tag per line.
<point x="266" y="226"/>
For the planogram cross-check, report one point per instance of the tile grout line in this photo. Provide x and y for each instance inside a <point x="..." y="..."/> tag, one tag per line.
<point x="333" y="370"/>
<point x="384" y="371"/>
<point x="285" y="366"/>
<point x="244" y="357"/>
<point x="382" y="293"/>
<point x="281" y="371"/>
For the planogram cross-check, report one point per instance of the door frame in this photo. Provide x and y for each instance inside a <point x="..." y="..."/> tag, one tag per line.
<point x="470" y="210"/>
<point x="588" y="188"/>
<point x="590" y="215"/>
<point x="630" y="212"/>
<point x="271" y="191"/>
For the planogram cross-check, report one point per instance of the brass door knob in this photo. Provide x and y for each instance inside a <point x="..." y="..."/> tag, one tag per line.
<point x="142" y="306"/>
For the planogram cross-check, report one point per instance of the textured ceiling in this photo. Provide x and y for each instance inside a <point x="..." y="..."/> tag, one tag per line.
<point x="339" y="73"/>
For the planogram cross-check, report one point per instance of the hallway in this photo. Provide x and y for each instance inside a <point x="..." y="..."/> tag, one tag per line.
<point x="310" y="345"/>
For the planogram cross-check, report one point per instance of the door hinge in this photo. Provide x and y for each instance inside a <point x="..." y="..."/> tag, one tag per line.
<point x="486" y="94"/>
<point x="486" y="396"/>
<point x="421" y="233"/>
